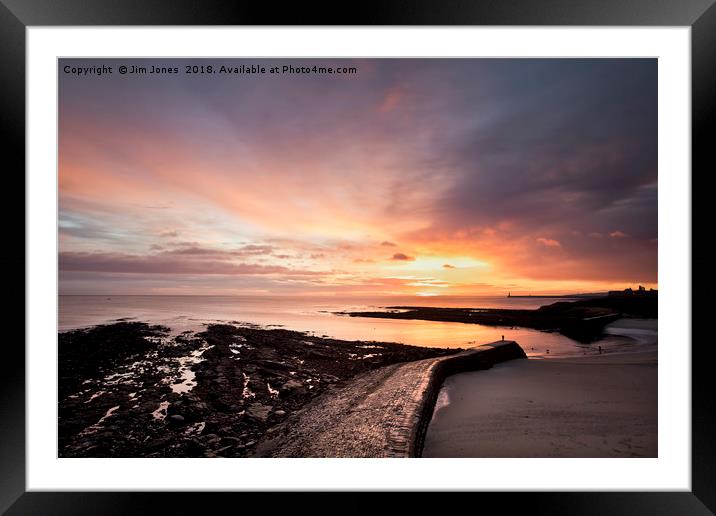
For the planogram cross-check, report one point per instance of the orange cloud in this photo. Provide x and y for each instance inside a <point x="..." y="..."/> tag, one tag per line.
<point x="402" y="257"/>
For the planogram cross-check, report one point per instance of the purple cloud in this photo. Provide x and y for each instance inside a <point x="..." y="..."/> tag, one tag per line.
<point x="162" y="264"/>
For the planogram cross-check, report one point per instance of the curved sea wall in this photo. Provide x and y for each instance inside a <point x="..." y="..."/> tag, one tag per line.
<point x="474" y="359"/>
<point x="381" y="413"/>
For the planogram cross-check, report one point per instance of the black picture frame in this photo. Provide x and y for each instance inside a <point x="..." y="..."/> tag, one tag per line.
<point x="17" y="15"/>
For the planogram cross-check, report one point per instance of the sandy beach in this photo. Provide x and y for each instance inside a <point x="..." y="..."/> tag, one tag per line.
<point x="593" y="406"/>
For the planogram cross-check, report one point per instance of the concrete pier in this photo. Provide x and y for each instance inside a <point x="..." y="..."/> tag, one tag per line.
<point x="381" y="413"/>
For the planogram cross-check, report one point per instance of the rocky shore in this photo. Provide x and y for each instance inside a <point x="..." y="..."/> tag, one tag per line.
<point x="130" y="389"/>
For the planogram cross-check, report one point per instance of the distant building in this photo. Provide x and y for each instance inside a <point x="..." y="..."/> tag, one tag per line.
<point x="628" y="292"/>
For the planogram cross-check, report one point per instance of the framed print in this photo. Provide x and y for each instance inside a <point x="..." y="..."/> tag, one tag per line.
<point x="426" y="250"/>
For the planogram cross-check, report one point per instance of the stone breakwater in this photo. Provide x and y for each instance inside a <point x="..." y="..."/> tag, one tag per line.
<point x="380" y="413"/>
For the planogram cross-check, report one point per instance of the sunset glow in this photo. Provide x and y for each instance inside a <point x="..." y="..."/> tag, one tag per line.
<point x="411" y="177"/>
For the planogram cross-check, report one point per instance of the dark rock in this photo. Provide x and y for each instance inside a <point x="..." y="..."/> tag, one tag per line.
<point x="259" y="411"/>
<point x="228" y="440"/>
<point x="291" y="385"/>
<point x="177" y="419"/>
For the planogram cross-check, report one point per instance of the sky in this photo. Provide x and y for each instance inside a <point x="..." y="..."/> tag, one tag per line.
<point x="409" y="177"/>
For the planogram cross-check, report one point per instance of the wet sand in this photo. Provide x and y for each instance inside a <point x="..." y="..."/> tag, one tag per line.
<point x="594" y="406"/>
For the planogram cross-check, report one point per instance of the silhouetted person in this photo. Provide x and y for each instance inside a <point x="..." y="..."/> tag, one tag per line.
<point x="600" y="350"/>
<point x="503" y="337"/>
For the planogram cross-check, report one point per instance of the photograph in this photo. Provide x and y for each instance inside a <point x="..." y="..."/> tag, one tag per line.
<point x="357" y="257"/>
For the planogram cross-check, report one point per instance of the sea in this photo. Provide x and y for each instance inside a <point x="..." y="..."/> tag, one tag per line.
<point x="318" y="316"/>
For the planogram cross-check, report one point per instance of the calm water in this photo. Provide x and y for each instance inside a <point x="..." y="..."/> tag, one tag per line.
<point x="314" y="315"/>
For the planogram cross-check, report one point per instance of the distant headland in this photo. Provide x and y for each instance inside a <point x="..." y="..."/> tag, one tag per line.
<point x="582" y="319"/>
<point x="641" y="290"/>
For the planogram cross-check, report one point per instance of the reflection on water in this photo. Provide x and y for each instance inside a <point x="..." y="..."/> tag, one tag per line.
<point x="315" y="315"/>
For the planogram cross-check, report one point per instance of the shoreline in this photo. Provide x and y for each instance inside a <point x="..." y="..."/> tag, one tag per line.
<point x="130" y="389"/>
<point x="133" y="390"/>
